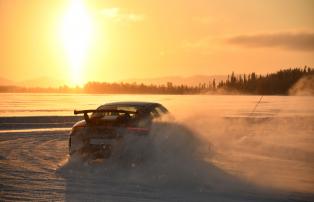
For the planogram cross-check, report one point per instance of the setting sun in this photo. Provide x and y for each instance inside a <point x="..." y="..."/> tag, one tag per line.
<point x="76" y="35"/>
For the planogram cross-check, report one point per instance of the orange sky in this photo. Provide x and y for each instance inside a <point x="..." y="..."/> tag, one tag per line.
<point x="153" y="38"/>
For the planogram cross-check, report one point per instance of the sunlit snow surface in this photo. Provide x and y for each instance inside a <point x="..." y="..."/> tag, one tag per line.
<point x="214" y="148"/>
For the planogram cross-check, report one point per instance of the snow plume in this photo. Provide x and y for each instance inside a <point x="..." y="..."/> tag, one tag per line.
<point x="304" y="87"/>
<point x="210" y="155"/>
<point x="272" y="152"/>
<point x="178" y="161"/>
<point x="170" y="153"/>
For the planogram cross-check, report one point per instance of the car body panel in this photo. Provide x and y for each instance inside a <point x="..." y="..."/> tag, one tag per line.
<point x="105" y="130"/>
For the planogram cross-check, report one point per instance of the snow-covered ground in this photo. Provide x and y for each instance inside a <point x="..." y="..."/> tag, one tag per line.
<point x="215" y="149"/>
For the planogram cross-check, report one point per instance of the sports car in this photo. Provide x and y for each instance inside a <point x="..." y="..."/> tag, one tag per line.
<point x="107" y="129"/>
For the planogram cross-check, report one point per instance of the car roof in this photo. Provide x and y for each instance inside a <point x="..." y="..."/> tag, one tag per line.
<point x="132" y="103"/>
<point x="142" y="106"/>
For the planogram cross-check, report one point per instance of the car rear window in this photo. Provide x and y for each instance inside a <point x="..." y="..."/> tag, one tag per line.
<point x="126" y="108"/>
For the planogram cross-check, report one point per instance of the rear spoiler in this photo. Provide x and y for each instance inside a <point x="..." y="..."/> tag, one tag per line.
<point x="87" y="119"/>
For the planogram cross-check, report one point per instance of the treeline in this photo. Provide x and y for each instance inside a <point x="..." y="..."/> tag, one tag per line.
<point x="134" y="88"/>
<point x="270" y="84"/>
<point x="110" y="88"/>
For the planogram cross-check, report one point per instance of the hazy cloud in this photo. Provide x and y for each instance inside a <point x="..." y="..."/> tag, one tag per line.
<point x="303" y="41"/>
<point x="110" y="12"/>
<point x="117" y="15"/>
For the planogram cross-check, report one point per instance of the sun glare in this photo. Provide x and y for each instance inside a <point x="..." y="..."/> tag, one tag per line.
<point x="76" y="34"/>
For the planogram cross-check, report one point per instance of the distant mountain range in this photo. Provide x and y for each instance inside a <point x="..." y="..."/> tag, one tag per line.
<point x="175" y="80"/>
<point x="36" y="82"/>
<point x="6" y="82"/>
<point x="42" y="82"/>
